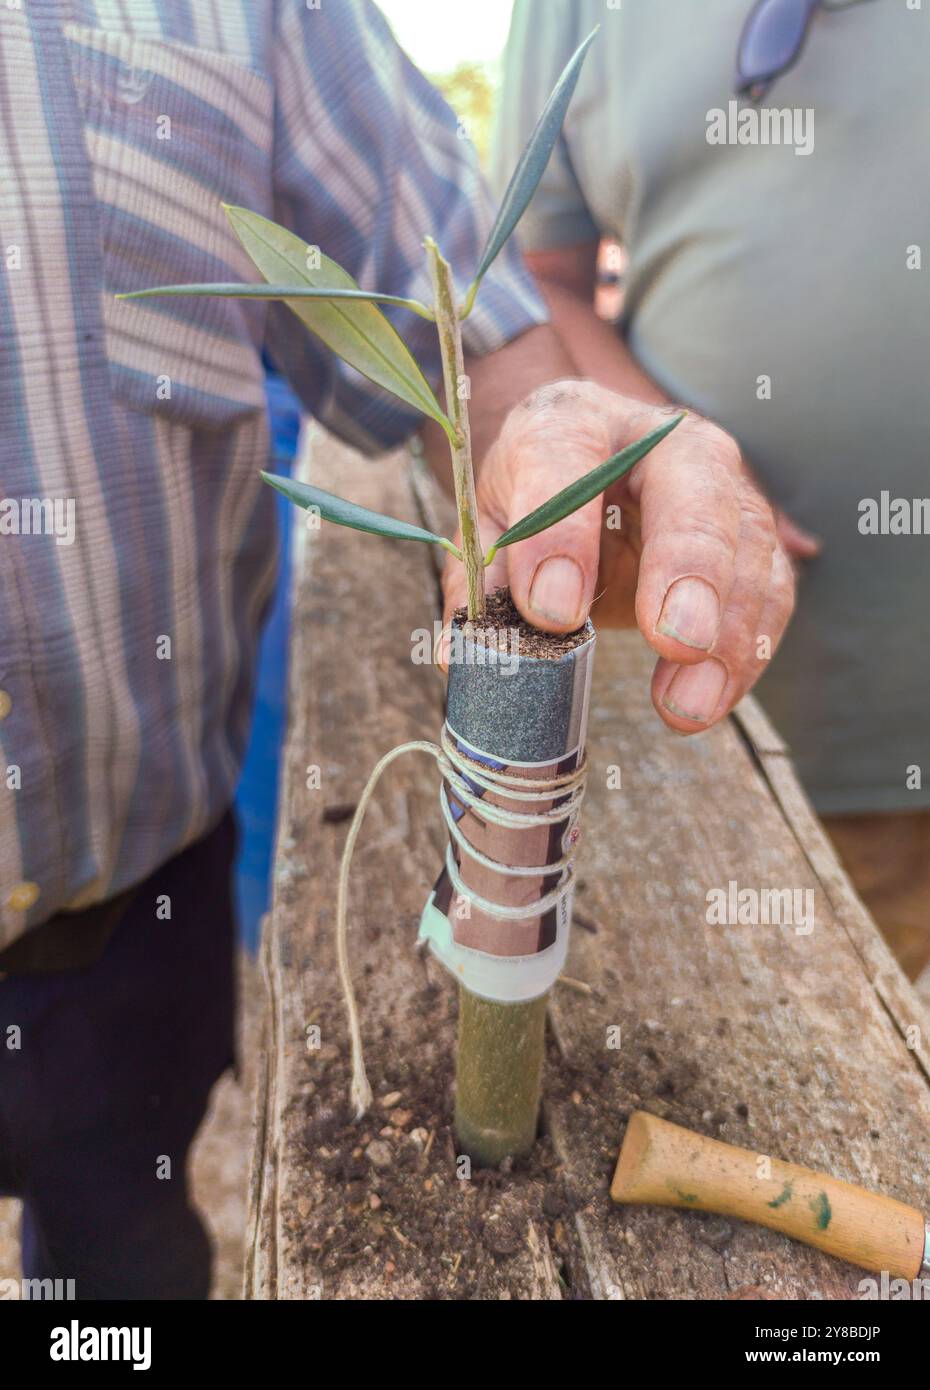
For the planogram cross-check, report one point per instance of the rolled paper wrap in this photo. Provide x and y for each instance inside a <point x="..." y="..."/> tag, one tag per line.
<point x="527" y="716"/>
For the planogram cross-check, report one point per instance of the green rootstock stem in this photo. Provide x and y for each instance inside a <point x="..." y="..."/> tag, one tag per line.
<point x="456" y="383"/>
<point x="500" y="1057"/>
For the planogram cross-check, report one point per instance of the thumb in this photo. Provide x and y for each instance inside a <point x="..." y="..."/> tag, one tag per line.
<point x="553" y="575"/>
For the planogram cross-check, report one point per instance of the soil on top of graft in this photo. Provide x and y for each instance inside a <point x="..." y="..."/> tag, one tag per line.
<point x="504" y="625"/>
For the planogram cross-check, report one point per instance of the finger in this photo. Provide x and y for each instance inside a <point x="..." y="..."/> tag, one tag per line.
<point x="692" y="698"/>
<point x="553" y="575"/>
<point x="800" y="544"/>
<point x="691" y="693"/>
<point x="689" y="492"/>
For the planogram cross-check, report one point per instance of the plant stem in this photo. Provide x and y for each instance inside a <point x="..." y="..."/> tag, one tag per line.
<point x="500" y="1056"/>
<point x="449" y="327"/>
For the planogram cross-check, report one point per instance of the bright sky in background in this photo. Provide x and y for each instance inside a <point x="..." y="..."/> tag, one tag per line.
<point x="439" y="36"/>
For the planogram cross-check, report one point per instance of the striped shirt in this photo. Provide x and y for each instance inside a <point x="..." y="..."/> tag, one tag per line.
<point x="137" y="548"/>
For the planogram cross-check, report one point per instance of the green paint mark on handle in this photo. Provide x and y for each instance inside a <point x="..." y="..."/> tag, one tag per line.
<point x="820" y="1206"/>
<point x="783" y="1196"/>
<point x="689" y="1197"/>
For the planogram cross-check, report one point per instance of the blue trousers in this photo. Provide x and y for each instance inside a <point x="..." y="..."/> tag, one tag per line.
<point x="105" y="1075"/>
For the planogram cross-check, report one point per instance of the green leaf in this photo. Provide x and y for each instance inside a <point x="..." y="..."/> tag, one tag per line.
<point x="357" y="332"/>
<point x="531" y="166"/>
<point x="344" y="513"/>
<point x="243" y="291"/>
<point x="583" y="490"/>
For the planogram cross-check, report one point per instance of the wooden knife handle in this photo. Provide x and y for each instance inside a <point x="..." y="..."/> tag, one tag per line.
<point x="664" y="1164"/>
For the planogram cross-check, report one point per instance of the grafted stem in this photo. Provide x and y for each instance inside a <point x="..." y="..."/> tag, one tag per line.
<point x="455" y="380"/>
<point x="500" y="1058"/>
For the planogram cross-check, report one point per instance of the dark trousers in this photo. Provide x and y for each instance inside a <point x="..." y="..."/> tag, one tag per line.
<point x="103" y="1095"/>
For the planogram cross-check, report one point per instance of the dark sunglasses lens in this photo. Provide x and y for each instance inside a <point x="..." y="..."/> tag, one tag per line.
<point x="772" y="37"/>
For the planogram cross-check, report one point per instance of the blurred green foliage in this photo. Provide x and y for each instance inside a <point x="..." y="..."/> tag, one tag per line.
<point x="470" y="91"/>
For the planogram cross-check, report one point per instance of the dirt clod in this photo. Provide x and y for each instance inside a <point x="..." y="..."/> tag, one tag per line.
<point x="502" y="1234"/>
<point x="553" y="1203"/>
<point x="380" y="1154"/>
<point x="716" y="1233"/>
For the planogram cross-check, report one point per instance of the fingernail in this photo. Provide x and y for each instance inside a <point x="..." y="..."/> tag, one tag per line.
<point x="556" y="593"/>
<point x="690" y="614"/>
<point x="695" y="691"/>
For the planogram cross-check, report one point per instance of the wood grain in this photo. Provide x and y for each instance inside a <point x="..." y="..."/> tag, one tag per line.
<point x="354" y="693"/>
<point x="804" y="1047"/>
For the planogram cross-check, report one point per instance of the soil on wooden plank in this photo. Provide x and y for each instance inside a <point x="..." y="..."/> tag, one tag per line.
<point x="388" y="1196"/>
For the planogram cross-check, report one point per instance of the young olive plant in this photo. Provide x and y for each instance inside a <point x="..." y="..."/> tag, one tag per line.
<point x="347" y="319"/>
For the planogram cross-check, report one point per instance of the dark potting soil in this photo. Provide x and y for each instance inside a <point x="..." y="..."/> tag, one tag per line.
<point x="390" y="1199"/>
<point x="383" y="1208"/>
<point x="502" y="616"/>
<point x="387" y="1199"/>
<point x="384" y="1205"/>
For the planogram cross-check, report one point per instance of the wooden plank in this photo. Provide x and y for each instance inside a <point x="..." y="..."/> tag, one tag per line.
<point x="327" y="1221"/>
<point x="922" y="987"/>
<point x="792" y="1044"/>
<point x="905" y="1004"/>
<point x="750" y="815"/>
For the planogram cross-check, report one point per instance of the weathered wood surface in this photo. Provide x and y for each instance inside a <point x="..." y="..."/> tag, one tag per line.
<point x="809" y="1047"/>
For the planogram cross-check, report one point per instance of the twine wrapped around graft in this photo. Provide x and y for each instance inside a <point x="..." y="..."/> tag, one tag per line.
<point x="463" y="775"/>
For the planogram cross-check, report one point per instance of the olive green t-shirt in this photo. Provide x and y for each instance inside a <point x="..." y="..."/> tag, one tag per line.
<point x="779" y="281"/>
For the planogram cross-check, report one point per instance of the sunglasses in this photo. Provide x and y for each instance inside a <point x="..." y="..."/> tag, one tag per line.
<point x="772" y="41"/>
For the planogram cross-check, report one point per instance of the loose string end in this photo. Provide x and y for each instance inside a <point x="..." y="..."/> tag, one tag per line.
<point x="360" y="1093"/>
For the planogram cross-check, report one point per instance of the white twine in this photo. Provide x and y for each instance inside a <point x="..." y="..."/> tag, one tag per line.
<point x="456" y="767"/>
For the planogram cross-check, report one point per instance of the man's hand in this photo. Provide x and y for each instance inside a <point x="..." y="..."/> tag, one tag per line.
<point x="696" y="561"/>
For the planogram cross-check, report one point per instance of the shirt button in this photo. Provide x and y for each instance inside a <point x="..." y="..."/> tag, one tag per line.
<point x="23" y="896"/>
<point x="6" y="704"/>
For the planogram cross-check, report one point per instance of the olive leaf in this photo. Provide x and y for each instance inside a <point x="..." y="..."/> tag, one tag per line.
<point x="350" y="324"/>
<point x="343" y="513"/>
<point x="582" y="490"/>
<point x="531" y="166"/>
<point x="357" y="332"/>
<point x="236" y="290"/>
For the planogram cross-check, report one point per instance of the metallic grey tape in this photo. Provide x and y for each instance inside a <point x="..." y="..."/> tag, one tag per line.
<point x="526" y="716"/>
<point x="522" y="709"/>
